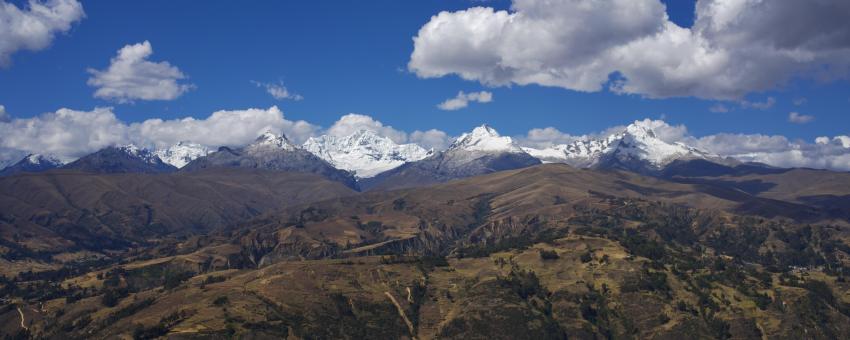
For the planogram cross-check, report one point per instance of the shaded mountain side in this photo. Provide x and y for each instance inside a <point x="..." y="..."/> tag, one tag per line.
<point x="31" y="163"/>
<point x="706" y="168"/>
<point x="57" y="209"/>
<point x="122" y="159"/>
<point x="820" y="189"/>
<point x="441" y="168"/>
<point x="272" y="152"/>
<point x="438" y="218"/>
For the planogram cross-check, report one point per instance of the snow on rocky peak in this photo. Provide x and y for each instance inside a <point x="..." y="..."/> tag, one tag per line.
<point x="269" y="140"/>
<point x="144" y="154"/>
<point x="637" y="142"/>
<point x="640" y="141"/>
<point x="43" y="160"/>
<point x="485" y="139"/>
<point x="364" y="153"/>
<point x="182" y="153"/>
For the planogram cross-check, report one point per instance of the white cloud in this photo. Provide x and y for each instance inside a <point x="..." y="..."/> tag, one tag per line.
<point x="778" y="150"/>
<point x="462" y="100"/>
<point x="666" y="132"/>
<point x="546" y="137"/>
<point x="718" y="108"/>
<point x="768" y="103"/>
<point x="797" y="118"/>
<point x="131" y="76"/>
<point x="33" y="28"/>
<point x="225" y="127"/>
<point x="431" y="139"/>
<point x="278" y="91"/>
<point x="800" y="101"/>
<point x="69" y="134"/>
<point x="65" y="133"/>
<point x="353" y="122"/>
<point x="734" y="48"/>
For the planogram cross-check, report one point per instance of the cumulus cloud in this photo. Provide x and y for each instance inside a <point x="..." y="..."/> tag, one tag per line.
<point x="824" y="153"/>
<point x="69" y="134"/>
<point x="735" y="47"/>
<point x="353" y="122"/>
<point x="431" y="139"/>
<point x="797" y="118"/>
<point x="131" y="76"/>
<point x="225" y="127"/>
<point x="546" y="137"/>
<point x="33" y="28"/>
<point x="462" y="100"/>
<point x="278" y="91"/>
<point x="65" y="133"/>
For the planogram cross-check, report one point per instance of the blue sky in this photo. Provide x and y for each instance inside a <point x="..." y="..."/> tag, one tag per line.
<point x="351" y="56"/>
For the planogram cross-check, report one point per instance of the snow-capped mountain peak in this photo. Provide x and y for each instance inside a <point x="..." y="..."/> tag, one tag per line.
<point x="364" y="153"/>
<point x="485" y="139"/>
<point x="144" y="154"/>
<point x="638" y="143"/>
<point x="182" y="153"/>
<point x="271" y="140"/>
<point x="46" y="160"/>
<point x="32" y="163"/>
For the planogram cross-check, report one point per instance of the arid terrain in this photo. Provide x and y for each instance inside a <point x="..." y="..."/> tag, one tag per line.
<point x="543" y="252"/>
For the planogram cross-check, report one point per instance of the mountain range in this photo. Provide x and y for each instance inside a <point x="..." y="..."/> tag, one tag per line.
<point x="636" y="148"/>
<point x="364" y="153"/>
<point x="369" y="161"/>
<point x="479" y="152"/>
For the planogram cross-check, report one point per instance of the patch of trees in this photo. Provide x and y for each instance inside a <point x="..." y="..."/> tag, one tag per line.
<point x="399" y="204"/>
<point x="128" y="311"/>
<point x="524" y="283"/>
<point x="112" y="296"/>
<point x="519" y="242"/>
<point x="548" y="254"/>
<point x="647" y="281"/>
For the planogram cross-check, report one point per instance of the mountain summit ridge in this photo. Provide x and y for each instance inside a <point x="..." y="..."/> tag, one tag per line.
<point x="33" y="162"/>
<point x="364" y="152"/>
<point x="485" y="139"/>
<point x="271" y="151"/>
<point x="637" y="147"/>
<point x="480" y="151"/>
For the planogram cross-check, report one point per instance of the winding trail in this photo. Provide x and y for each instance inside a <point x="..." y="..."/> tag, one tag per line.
<point x="23" y="324"/>
<point x="403" y="316"/>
